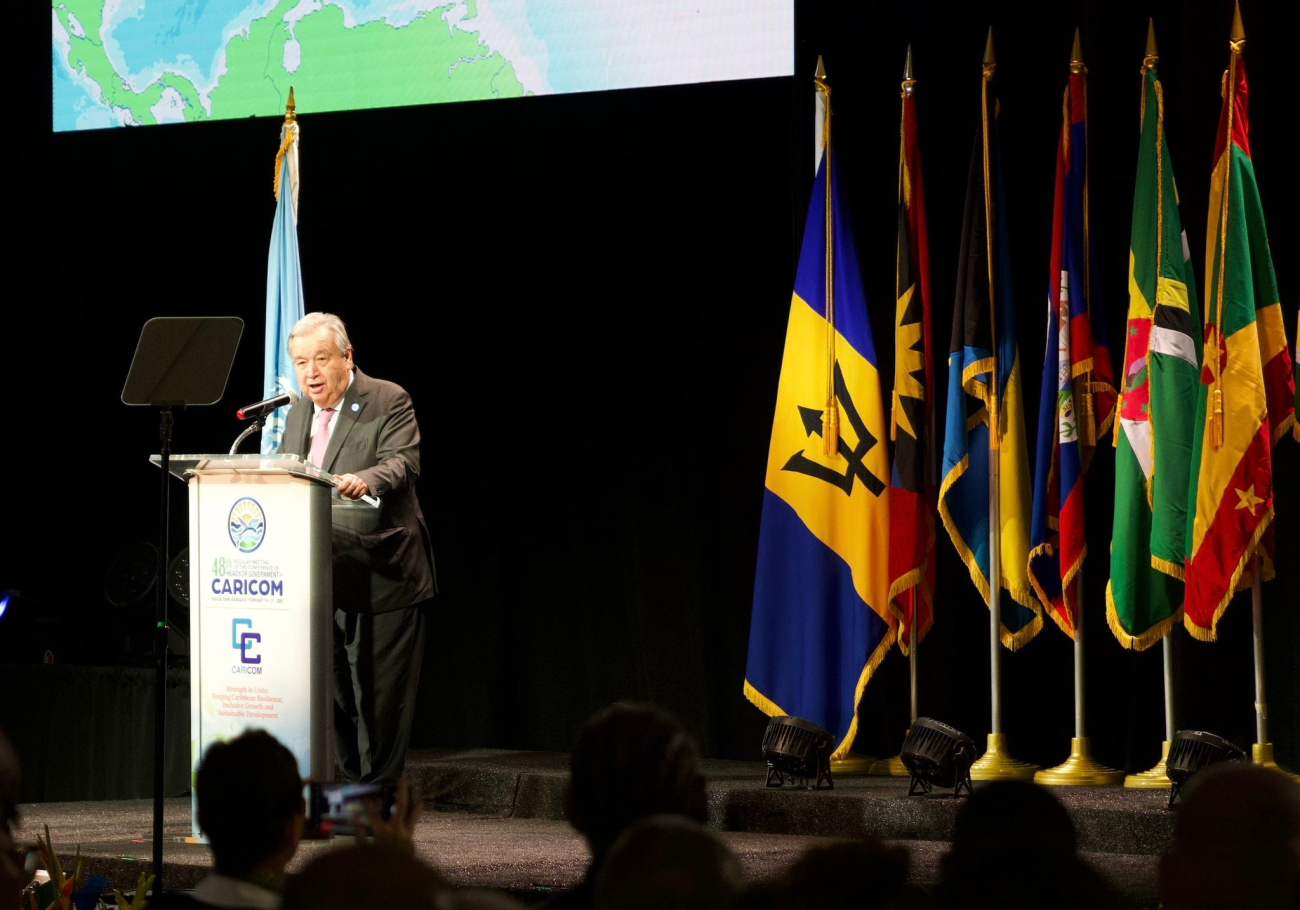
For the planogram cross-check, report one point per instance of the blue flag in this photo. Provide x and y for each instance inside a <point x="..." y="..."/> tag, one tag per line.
<point x="284" y="305"/>
<point x="821" y="620"/>
<point x="985" y="401"/>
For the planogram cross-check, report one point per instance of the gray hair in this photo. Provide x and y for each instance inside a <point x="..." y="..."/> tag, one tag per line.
<point x="308" y="325"/>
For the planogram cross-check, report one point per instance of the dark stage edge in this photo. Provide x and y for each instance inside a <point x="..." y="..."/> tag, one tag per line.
<point x="494" y="819"/>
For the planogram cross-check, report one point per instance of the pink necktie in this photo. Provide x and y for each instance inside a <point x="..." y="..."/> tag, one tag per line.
<point x="321" y="440"/>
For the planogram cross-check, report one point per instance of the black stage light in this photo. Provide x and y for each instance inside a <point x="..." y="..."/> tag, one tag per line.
<point x="1193" y="750"/>
<point x="937" y="755"/>
<point x="797" y="749"/>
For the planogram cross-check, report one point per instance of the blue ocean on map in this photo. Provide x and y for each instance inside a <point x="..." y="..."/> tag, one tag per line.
<point x="152" y="33"/>
<point x="73" y="108"/>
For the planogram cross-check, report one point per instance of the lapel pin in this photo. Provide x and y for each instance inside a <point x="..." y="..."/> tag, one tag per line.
<point x="355" y="407"/>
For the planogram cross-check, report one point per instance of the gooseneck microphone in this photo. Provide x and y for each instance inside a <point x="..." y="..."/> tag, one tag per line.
<point x="248" y="412"/>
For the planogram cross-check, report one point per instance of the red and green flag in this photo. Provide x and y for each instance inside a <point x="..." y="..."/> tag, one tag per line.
<point x="1246" y="400"/>
<point x="914" y="491"/>
<point x="1162" y="357"/>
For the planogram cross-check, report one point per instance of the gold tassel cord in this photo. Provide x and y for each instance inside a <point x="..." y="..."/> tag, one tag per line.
<point x="988" y="68"/>
<point x="1219" y="352"/>
<point x="286" y="134"/>
<point x="830" y="415"/>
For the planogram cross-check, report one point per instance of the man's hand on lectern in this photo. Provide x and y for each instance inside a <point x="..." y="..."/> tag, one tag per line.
<point x="352" y="487"/>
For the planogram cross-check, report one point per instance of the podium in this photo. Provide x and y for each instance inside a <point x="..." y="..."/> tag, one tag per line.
<point x="261" y="607"/>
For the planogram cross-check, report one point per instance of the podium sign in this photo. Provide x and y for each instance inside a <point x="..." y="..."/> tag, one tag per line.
<point x="261" y="613"/>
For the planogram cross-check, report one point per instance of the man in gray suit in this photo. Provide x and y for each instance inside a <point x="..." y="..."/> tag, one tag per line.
<point x="364" y="430"/>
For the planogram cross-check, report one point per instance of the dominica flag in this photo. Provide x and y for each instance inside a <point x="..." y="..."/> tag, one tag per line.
<point x="821" y="621"/>
<point x="1162" y="357"/>
<point x="1246" y="401"/>
<point x="913" y="493"/>
<point x="1077" y="400"/>
<point x="985" y="409"/>
<point x="284" y="304"/>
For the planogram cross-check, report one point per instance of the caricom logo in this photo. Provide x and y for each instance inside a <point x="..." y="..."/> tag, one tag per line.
<point x="243" y="639"/>
<point x="247" y="525"/>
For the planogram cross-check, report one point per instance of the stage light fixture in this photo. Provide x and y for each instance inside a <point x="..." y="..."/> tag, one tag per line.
<point x="797" y="749"/>
<point x="937" y="755"/>
<point x="1193" y="750"/>
<point x="4" y="602"/>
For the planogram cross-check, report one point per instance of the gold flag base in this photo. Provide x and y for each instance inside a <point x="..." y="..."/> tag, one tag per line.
<point x="1154" y="778"/>
<point x="890" y="767"/>
<point x="853" y="763"/>
<point x="1080" y="770"/>
<point x="1262" y="754"/>
<point x="997" y="764"/>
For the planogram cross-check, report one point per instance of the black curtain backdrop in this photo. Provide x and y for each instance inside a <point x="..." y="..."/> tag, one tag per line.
<point x="586" y="296"/>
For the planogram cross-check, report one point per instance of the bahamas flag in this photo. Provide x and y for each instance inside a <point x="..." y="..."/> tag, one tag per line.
<point x="284" y="304"/>
<point x="1077" y="399"/>
<point x="984" y="394"/>
<point x="1162" y="361"/>
<point x="1246" y="401"/>
<point x="821" y="621"/>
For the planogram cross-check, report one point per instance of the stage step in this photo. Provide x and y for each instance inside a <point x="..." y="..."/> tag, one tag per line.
<point x="528" y="858"/>
<point x="503" y="783"/>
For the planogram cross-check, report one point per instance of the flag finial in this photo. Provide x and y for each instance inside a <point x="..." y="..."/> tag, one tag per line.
<point x="1076" y="55"/>
<point x="1238" y="36"/>
<point x="1152" y="55"/>
<point x="821" y="70"/>
<point x="907" y="66"/>
<point x="289" y="115"/>
<point x="990" y="58"/>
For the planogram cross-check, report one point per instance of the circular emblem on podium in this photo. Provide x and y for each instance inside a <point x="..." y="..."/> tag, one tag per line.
<point x="247" y="525"/>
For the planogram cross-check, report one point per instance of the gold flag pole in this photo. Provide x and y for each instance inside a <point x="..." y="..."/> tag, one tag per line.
<point x="853" y="763"/>
<point x="1080" y="769"/>
<point x="1261" y="751"/>
<point x="893" y="766"/>
<point x="996" y="763"/>
<point x="1156" y="777"/>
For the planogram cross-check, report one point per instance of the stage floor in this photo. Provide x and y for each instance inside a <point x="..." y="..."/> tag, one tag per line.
<point x="495" y="819"/>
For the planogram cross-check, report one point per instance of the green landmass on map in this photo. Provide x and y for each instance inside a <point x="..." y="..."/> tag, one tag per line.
<point x="370" y="65"/>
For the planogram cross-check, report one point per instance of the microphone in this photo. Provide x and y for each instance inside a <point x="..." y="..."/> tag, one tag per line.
<point x="289" y="396"/>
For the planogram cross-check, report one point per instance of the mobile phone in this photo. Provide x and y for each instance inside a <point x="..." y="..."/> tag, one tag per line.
<point x="340" y="808"/>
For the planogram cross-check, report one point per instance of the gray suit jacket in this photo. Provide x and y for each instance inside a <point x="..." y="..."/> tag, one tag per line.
<point x="382" y="558"/>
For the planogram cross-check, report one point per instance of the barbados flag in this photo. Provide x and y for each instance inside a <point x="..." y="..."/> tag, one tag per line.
<point x="284" y="304"/>
<point x="985" y="412"/>
<point x="821" y="621"/>
<point x="1077" y="399"/>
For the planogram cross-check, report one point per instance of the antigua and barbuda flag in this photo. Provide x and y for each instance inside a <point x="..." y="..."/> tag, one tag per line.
<point x="284" y="305"/>
<point x="1162" y="358"/>
<point x="913" y="482"/>
<point x="983" y="383"/>
<point x="1246" y="400"/>
<point x="1077" y="397"/>
<point x="821" y="622"/>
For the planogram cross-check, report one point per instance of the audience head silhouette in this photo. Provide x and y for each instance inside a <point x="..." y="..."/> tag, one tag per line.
<point x="856" y="875"/>
<point x="667" y="861"/>
<point x="1236" y="843"/>
<point x="1013" y="846"/>
<point x="250" y="805"/>
<point x="366" y="875"/>
<point x="631" y="761"/>
<point x="11" y="874"/>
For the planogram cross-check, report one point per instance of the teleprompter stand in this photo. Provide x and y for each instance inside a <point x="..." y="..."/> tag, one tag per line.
<point x="179" y="361"/>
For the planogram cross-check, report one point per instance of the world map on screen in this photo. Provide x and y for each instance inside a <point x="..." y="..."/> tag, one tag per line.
<point x="144" y="62"/>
